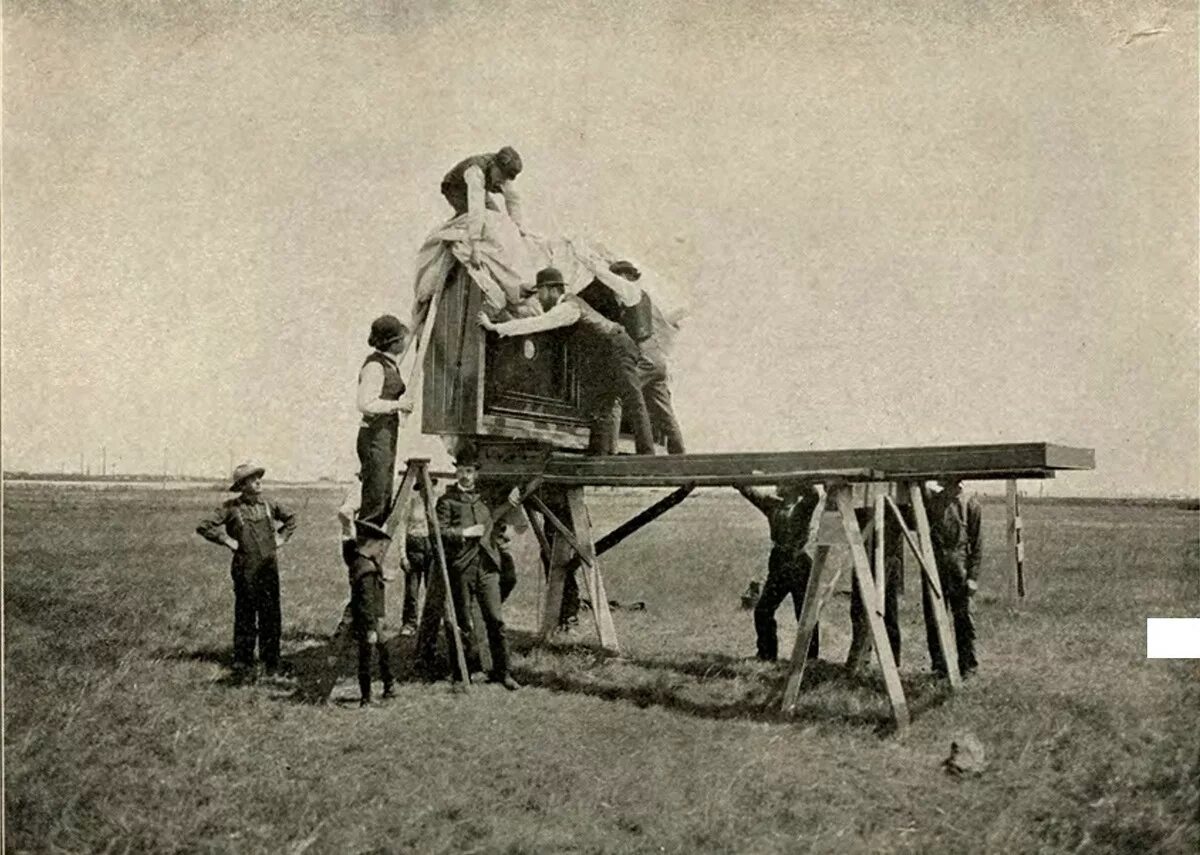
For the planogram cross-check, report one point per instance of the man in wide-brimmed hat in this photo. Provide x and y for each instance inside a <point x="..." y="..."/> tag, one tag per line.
<point x="609" y="355"/>
<point x="471" y="184"/>
<point x="253" y="528"/>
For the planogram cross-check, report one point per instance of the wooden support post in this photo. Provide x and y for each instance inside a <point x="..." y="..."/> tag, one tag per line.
<point x="943" y="626"/>
<point x="581" y="520"/>
<point x="880" y="563"/>
<point x="1016" y="549"/>
<point x="435" y="529"/>
<point x="577" y="512"/>
<point x="815" y="593"/>
<point x="871" y="604"/>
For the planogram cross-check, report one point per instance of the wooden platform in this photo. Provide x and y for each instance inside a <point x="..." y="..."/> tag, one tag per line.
<point x="971" y="462"/>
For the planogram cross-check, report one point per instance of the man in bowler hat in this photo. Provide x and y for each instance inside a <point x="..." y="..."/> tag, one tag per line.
<point x="610" y="358"/>
<point x="253" y="528"/>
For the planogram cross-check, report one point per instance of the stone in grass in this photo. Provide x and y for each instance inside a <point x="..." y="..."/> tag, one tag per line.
<point x="967" y="756"/>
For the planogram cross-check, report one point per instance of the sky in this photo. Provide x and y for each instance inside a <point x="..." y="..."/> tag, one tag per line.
<point x="953" y="223"/>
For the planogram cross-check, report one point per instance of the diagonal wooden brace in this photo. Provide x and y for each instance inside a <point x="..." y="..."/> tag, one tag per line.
<point x="941" y="617"/>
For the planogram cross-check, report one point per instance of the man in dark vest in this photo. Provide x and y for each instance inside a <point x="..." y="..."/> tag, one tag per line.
<point x="469" y="188"/>
<point x="380" y="391"/>
<point x="655" y="374"/>
<point x="955" y="525"/>
<point x="610" y="360"/>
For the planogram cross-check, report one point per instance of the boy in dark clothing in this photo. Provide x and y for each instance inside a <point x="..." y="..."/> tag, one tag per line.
<point x="463" y="517"/>
<point x="789" y="514"/>
<point x="252" y="528"/>
<point x="367" y="606"/>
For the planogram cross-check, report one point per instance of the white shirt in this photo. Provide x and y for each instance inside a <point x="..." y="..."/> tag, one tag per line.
<point x="477" y="199"/>
<point x="564" y="313"/>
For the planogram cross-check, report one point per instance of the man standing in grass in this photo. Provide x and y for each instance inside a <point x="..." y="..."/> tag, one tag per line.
<point x="956" y="524"/>
<point x="463" y="519"/>
<point x="253" y="528"/>
<point x="789" y="514"/>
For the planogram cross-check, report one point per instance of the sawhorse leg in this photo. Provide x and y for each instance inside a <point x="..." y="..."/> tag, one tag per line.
<point x="815" y="593"/>
<point x="872" y="605"/>
<point x="420" y="469"/>
<point x="941" y="615"/>
<point x="566" y="544"/>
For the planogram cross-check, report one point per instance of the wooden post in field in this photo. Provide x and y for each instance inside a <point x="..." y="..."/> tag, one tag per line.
<point x="1016" y="549"/>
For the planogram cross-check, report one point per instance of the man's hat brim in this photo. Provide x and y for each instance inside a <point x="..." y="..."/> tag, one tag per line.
<point x="257" y="472"/>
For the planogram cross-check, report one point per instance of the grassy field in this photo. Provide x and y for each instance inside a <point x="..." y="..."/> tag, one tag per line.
<point x="123" y="734"/>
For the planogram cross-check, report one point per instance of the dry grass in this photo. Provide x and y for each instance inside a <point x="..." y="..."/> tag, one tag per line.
<point x="122" y="734"/>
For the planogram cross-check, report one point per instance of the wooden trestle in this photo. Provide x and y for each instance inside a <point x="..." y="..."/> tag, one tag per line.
<point x="880" y="480"/>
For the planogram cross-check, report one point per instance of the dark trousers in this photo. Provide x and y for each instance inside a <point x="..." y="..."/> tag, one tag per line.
<point x="420" y="559"/>
<point x="786" y="574"/>
<point x="952" y="574"/>
<point x="508" y="574"/>
<point x="367" y="610"/>
<point x="256" y="612"/>
<point x="377" y="462"/>
<point x="480" y="584"/>
<point x="860" y="642"/>
<point x="657" y="396"/>
<point x="619" y="378"/>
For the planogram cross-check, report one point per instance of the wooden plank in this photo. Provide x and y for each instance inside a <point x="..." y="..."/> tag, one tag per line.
<point x="639" y="520"/>
<point x="975" y="462"/>
<point x="810" y="613"/>
<point x="823" y="476"/>
<point x="929" y="566"/>
<point x="560" y="552"/>
<point x="871" y="606"/>
<point x="581" y="520"/>
<point x="817" y="591"/>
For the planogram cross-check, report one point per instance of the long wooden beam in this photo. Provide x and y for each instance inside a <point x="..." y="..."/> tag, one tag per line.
<point x="975" y="462"/>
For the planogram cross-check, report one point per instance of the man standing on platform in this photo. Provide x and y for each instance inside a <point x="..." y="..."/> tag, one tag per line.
<point x="789" y="515"/>
<point x="611" y="359"/>
<point x="383" y="407"/>
<point x="955" y="524"/>
<point x="655" y="375"/>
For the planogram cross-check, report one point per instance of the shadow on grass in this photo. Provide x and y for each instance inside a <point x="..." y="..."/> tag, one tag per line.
<point x="710" y="686"/>
<point x="758" y="698"/>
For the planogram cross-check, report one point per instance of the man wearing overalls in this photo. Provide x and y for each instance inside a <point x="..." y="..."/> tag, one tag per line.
<point x="253" y="528"/>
